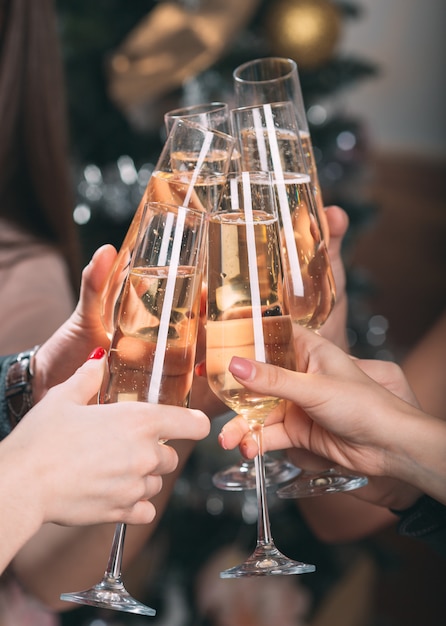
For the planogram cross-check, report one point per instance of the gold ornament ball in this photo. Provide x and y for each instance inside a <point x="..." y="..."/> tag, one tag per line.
<point x="305" y="30"/>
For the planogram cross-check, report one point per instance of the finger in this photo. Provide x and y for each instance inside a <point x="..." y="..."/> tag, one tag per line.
<point x="316" y="353"/>
<point x="86" y="381"/>
<point x="233" y="432"/>
<point x="143" y="512"/>
<point x="338" y="222"/>
<point x="200" y="369"/>
<point x="167" y="461"/>
<point x="305" y="389"/>
<point x="180" y="423"/>
<point x="248" y="446"/>
<point x="94" y="277"/>
<point x="153" y="485"/>
<point x="97" y="271"/>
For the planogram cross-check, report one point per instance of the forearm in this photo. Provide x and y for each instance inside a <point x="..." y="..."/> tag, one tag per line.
<point x="419" y="458"/>
<point x="424" y="368"/>
<point x="340" y="517"/>
<point x="20" y="517"/>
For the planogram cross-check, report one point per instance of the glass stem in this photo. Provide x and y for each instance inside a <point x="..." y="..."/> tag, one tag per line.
<point x="114" y="564"/>
<point x="264" y="536"/>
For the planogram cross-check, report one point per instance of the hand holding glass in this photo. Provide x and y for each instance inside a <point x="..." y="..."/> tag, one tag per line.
<point x="213" y="115"/>
<point x="269" y="140"/>
<point x="152" y="352"/>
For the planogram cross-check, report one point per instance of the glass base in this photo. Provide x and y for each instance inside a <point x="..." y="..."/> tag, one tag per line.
<point x="242" y="477"/>
<point x="267" y="561"/>
<point x="109" y="594"/>
<point x="315" y="484"/>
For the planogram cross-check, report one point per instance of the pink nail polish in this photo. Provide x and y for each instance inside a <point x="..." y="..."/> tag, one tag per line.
<point x="242" y="368"/>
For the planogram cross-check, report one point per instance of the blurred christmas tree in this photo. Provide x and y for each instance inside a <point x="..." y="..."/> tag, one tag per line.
<point x="114" y="148"/>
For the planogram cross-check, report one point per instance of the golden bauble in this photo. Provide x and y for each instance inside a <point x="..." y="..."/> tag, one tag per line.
<point x="305" y="30"/>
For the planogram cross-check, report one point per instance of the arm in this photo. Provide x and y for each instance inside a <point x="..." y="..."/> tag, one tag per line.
<point x="46" y="479"/>
<point x="339" y="517"/>
<point x="83" y="549"/>
<point x="425" y="367"/>
<point x="65" y="350"/>
<point x="75" y="558"/>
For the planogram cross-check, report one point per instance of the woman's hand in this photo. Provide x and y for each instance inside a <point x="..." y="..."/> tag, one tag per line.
<point x="75" y="463"/>
<point x="60" y="356"/>
<point x="337" y="411"/>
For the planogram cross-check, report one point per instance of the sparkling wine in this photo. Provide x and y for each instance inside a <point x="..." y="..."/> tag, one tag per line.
<point x="307" y="148"/>
<point x="235" y="337"/>
<point x="151" y="356"/>
<point x="311" y="286"/>
<point x="289" y="153"/>
<point x="179" y="188"/>
<point x="236" y="325"/>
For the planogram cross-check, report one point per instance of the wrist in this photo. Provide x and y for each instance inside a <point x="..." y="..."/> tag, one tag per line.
<point x="19" y="394"/>
<point x="425" y="516"/>
<point x="20" y="491"/>
<point x="41" y="370"/>
<point x="39" y="388"/>
<point x="402" y="497"/>
<point x="419" y="459"/>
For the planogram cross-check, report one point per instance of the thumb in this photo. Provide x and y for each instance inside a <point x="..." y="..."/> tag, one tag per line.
<point x="338" y="222"/>
<point x="87" y="379"/>
<point x="94" y="277"/>
<point x="96" y="272"/>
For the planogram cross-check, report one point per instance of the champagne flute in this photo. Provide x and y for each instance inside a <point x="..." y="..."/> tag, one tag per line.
<point x="152" y="352"/>
<point x="260" y="81"/>
<point x="190" y="172"/>
<point x="246" y="316"/>
<point x="215" y="115"/>
<point x="269" y="140"/>
<point x="276" y="79"/>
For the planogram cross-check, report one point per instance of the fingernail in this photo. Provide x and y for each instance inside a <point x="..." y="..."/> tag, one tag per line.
<point x="244" y="450"/>
<point x="97" y="353"/>
<point x="221" y="440"/>
<point x="200" y="369"/>
<point x="242" y="368"/>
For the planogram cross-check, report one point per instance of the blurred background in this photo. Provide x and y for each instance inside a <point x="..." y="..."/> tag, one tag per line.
<point x="373" y="80"/>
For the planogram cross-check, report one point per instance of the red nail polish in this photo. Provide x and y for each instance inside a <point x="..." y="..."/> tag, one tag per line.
<point x="200" y="369"/>
<point x="97" y="353"/>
